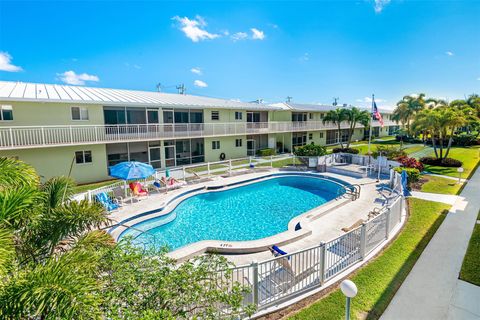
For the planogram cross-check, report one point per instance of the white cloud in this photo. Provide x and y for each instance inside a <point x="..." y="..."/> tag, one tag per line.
<point x="239" y="36"/>
<point x="449" y="53"/>
<point x="194" y="29"/>
<point x="200" y="84"/>
<point x="257" y="34"/>
<point x="380" y="4"/>
<point x="305" y="57"/>
<point x="6" y="63"/>
<point x="70" y="77"/>
<point x="196" y="70"/>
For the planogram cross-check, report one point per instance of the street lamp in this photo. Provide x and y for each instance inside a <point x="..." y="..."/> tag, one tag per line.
<point x="349" y="289"/>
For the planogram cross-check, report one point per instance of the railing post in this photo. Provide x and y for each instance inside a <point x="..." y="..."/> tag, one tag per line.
<point x="229" y="166"/>
<point x="254" y="266"/>
<point x="96" y="133"/>
<point x="387" y="222"/>
<point x="71" y="134"/>
<point x="208" y="168"/>
<point x="184" y="174"/>
<point x="271" y="161"/>
<point x="89" y="196"/>
<point x="322" y="263"/>
<point x="363" y="240"/>
<point x="43" y="136"/>
<point x="11" y="137"/>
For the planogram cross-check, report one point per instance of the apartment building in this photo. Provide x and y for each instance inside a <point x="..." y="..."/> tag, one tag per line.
<point x="82" y="131"/>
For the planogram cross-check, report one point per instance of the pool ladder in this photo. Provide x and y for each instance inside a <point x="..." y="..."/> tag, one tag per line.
<point x="352" y="190"/>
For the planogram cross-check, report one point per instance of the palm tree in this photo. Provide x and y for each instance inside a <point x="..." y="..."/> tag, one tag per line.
<point x="49" y="257"/>
<point x="407" y="108"/>
<point x="336" y="117"/>
<point x="354" y="116"/>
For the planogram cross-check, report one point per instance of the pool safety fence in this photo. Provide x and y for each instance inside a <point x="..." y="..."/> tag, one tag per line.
<point x="283" y="278"/>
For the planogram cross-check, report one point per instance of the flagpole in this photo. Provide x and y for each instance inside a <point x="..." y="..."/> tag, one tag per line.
<point x="370" y="130"/>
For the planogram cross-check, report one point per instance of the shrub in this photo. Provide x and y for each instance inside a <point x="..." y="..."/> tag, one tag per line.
<point x="408" y="162"/>
<point x="413" y="175"/>
<point x="310" y="150"/>
<point x="346" y="150"/>
<point x="391" y="152"/>
<point x="445" y="162"/>
<point x="266" y="152"/>
<point x="464" y="139"/>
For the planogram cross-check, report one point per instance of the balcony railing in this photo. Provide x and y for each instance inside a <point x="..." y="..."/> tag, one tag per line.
<point x="20" y="137"/>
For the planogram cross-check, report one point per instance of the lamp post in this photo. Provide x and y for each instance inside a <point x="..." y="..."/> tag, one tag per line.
<point x="349" y="289"/>
<point x="459" y="170"/>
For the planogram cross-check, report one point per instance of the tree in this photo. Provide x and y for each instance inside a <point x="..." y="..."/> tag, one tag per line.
<point x="354" y="116"/>
<point x="407" y="108"/>
<point x="336" y="117"/>
<point x="440" y="120"/>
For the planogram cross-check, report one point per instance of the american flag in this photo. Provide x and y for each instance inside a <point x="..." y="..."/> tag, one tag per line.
<point x="376" y="114"/>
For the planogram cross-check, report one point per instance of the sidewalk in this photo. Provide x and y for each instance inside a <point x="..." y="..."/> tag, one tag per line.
<point x="432" y="289"/>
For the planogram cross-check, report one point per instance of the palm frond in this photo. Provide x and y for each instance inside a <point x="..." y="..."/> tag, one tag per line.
<point x="17" y="206"/>
<point x="15" y="173"/>
<point x="57" y="190"/>
<point x="7" y="251"/>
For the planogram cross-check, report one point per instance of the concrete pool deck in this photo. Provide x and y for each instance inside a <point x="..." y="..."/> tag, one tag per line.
<point x="342" y="214"/>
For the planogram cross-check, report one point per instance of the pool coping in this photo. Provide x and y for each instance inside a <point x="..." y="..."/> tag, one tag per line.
<point x="239" y="247"/>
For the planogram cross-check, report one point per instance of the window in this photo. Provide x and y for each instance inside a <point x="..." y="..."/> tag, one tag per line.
<point x="238" y="142"/>
<point x="215" y="145"/>
<point x="82" y="157"/>
<point x="79" y="113"/>
<point x="310" y="136"/>
<point x="215" y="115"/>
<point x="6" y="113"/>
<point x="299" y="139"/>
<point x="321" y="135"/>
<point x="310" y="116"/>
<point x="296" y="116"/>
<point x="238" y="115"/>
<point x="321" y="115"/>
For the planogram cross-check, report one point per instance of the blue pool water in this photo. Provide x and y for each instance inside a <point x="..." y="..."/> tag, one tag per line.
<point x="250" y="212"/>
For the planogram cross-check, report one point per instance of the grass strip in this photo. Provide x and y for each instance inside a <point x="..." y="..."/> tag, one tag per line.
<point x="378" y="281"/>
<point x="440" y="185"/>
<point x="470" y="271"/>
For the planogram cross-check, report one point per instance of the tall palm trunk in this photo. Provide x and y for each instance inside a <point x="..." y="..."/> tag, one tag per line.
<point x="350" y="133"/>
<point x="340" y="134"/>
<point x="450" y="139"/>
<point x="434" y="145"/>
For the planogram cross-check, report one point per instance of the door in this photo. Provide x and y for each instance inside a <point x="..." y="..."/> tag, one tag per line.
<point x="250" y="147"/>
<point x="168" y="122"/>
<point x="170" y="155"/>
<point x="152" y="121"/>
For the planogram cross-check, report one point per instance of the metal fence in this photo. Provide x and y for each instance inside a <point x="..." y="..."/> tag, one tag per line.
<point x="279" y="279"/>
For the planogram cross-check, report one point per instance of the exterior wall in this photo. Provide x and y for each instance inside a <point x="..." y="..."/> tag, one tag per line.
<point x="227" y="146"/>
<point x="53" y="162"/>
<point x="316" y="139"/>
<point x="44" y="114"/>
<point x="225" y="116"/>
<point x="383" y="131"/>
<point x="279" y="116"/>
<point x="284" y="138"/>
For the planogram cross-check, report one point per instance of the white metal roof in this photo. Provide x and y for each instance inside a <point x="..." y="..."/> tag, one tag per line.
<point x="21" y="91"/>
<point x="314" y="107"/>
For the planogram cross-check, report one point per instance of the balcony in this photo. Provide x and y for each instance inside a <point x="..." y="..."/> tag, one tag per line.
<point x="51" y="136"/>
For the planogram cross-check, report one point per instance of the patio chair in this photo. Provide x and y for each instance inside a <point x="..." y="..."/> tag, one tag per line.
<point x="120" y="195"/>
<point x="138" y="190"/>
<point x="357" y="224"/>
<point x="107" y="202"/>
<point x="171" y="183"/>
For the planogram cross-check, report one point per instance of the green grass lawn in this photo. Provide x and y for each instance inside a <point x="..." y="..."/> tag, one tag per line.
<point x="469" y="156"/>
<point x="91" y="186"/>
<point x="440" y="185"/>
<point x="470" y="271"/>
<point x="414" y="149"/>
<point x="380" y="279"/>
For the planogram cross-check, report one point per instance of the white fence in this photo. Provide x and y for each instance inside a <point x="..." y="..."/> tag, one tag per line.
<point x="43" y="136"/>
<point x="279" y="279"/>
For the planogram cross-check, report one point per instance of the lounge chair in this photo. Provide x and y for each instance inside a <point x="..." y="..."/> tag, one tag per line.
<point x="107" y="202"/>
<point x="171" y="183"/>
<point x="138" y="190"/>
<point x="120" y="195"/>
<point x="357" y="224"/>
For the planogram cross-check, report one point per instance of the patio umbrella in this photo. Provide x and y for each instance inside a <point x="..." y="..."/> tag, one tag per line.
<point x="406" y="192"/>
<point x="131" y="170"/>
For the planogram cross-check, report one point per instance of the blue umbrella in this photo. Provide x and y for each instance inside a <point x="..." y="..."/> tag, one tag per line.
<point x="131" y="170"/>
<point x="406" y="192"/>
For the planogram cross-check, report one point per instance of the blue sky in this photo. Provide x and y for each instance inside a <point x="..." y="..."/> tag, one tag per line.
<point x="312" y="51"/>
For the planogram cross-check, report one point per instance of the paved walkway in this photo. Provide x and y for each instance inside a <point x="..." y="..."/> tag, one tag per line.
<point x="444" y="198"/>
<point x="432" y="289"/>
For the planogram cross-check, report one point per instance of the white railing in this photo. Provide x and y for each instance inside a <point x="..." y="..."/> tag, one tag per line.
<point x="46" y="136"/>
<point x="279" y="279"/>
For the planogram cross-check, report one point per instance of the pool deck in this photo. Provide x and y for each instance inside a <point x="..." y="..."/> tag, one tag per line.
<point x="322" y="229"/>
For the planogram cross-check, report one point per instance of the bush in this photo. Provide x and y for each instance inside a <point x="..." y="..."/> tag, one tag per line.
<point x="408" y="162"/>
<point x="266" y="152"/>
<point x="446" y="162"/>
<point x="346" y="150"/>
<point x="464" y="139"/>
<point x="413" y="175"/>
<point x="391" y="152"/>
<point x="310" y="150"/>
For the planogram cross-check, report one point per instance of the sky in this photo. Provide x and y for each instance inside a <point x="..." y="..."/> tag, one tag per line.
<point x="312" y="51"/>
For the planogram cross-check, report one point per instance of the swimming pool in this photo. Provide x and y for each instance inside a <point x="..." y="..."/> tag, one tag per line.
<point x="249" y="212"/>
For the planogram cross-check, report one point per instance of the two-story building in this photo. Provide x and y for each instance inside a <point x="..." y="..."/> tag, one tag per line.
<point x="81" y="131"/>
